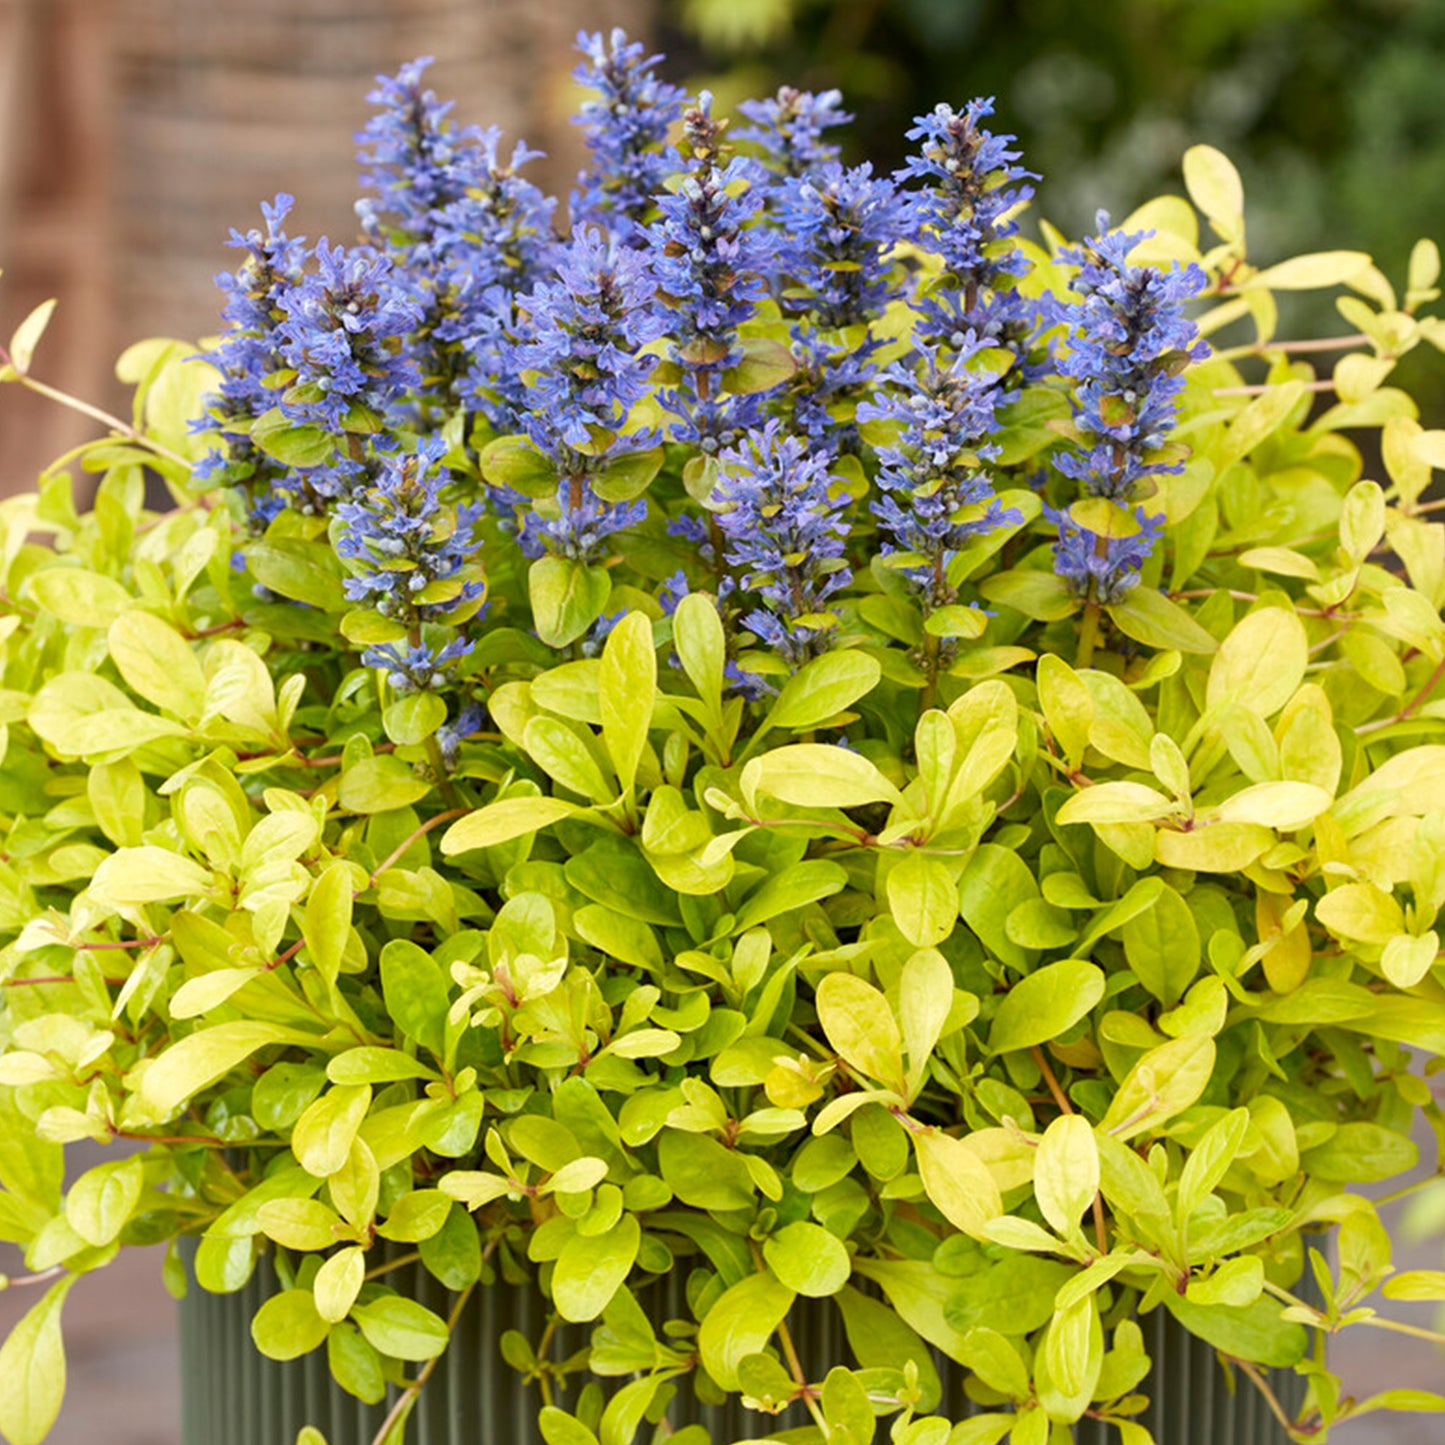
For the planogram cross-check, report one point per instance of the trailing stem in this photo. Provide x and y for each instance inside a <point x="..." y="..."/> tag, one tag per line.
<point x="408" y="1397"/>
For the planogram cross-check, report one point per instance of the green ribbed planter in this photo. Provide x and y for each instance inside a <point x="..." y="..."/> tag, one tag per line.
<point x="231" y="1395"/>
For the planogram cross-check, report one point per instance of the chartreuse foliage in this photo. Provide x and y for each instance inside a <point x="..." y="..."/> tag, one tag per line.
<point x="997" y="977"/>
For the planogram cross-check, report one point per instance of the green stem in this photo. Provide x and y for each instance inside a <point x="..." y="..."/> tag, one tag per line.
<point x="36" y="980"/>
<point x="1088" y="635"/>
<point x="439" y="767"/>
<point x="800" y="1378"/>
<point x="929" y="695"/>
<point x="400" y="849"/>
<point x="1406" y="1191"/>
<point x="931" y="643"/>
<point x="1398" y="1327"/>
<point x="1264" y="386"/>
<point x="399" y="1262"/>
<point x="105" y="418"/>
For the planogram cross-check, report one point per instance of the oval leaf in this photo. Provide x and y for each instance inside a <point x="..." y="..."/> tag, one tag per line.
<point x="1045" y="1004"/>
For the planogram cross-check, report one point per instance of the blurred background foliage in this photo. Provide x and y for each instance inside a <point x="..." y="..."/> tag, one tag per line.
<point x="1333" y="110"/>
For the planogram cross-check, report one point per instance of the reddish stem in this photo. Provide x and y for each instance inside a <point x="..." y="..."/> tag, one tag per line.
<point x="411" y="838"/>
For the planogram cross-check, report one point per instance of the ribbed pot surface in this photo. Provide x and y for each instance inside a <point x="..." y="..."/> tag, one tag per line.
<point x="231" y="1395"/>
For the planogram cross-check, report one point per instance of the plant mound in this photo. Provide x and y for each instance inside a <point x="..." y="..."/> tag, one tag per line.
<point x="792" y="733"/>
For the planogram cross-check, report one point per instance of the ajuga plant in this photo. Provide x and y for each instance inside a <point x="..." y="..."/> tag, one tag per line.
<point x="805" y="733"/>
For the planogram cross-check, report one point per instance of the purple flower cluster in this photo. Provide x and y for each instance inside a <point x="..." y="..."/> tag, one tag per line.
<point x="837" y="229"/>
<point x="579" y="339"/>
<point x="575" y="523"/>
<point x="247" y="356"/>
<point x="452" y="734"/>
<point x="344" y="334"/>
<point x="643" y="352"/>
<point x="936" y="490"/>
<point x="970" y="182"/>
<point x="582" y="334"/>
<point x="412" y="554"/>
<point x="710" y="264"/>
<point x="498" y="232"/>
<point x="412" y="561"/>
<point x="831" y="374"/>
<point x="418" y="160"/>
<point x="1127" y="340"/>
<point x="1101" y="569"/>
<point x="786" y="537"/>
<point x="789" y="128"/>
<point x="626" y="130"/>
<point x="419" y="667"/>
<point x="462" y="224"/>
<point x="274" y="264"/>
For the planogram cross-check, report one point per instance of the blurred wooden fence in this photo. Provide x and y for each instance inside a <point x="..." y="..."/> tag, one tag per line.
<point x="135" y="133"/>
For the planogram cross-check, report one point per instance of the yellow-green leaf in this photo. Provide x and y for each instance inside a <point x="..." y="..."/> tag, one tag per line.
<point x="199" y="995"/>
<point x="957" y="1182"/>
<point x="147" y="874"/>
<point x="821" y="775"/>
<point x="1215" y="188"/>
<point x="627" y="689"/>
<point x="822" y="688"/>
<point x="1362" y="913"/>
<point x="923" y="898"/>
<point x="288" y="1325"/>
<point x="32" y="1369"/>
<point x="503" y="821"/>
<point x="1282" y="806"/>
<point x="697" y="633"/>
<point x="1045" y="1004"/>
<point x="1067" y="705"/>
<point x="322" y="1137"/>
<point x="402" y="1328"/>
<point x="1116" y="803"/>
<point x="589" y="1271"/>
<point x="1261" y="663"/>
<point x="26" y="337"/>
<point x="338" y="1282"/>
<point x="740" y="1323"/>
<point x="81" y="598"/>
<point x="326" y="924"/>
<point x="203" y="1057"/>
<point x="1165" y="1082"/>
<point x="1407" y="959"/>
<point x="925" y="1000"/>
<point x="158" y="663"/>
<point x="860" y="1026"/>
<point x="1312" y="271"/>
<point x="1213" y="847"/>
<point x="1264" y="415"/>
<point x="377" y="785"/>
<point x="1066" y="1171"/>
